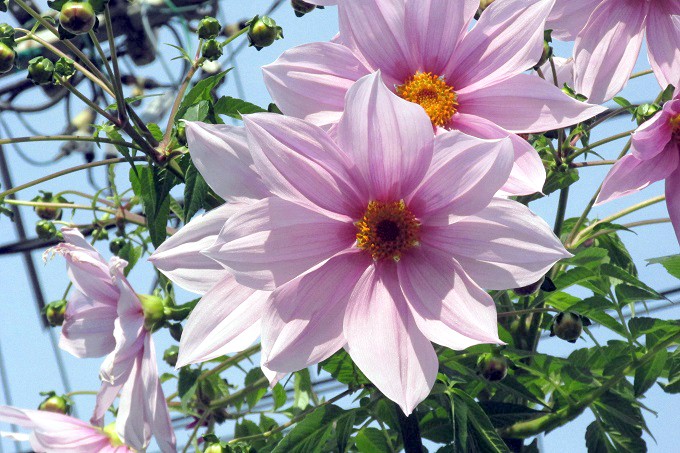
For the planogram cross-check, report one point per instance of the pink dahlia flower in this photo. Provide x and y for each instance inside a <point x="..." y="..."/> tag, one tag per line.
<point x="469" y="80"/>
<point x="655" y="156"/>
<point x="91" y="311"/>
<point x="379" y="243"/>
<point x="609" y="36"/>
<point x="52" y="432"/>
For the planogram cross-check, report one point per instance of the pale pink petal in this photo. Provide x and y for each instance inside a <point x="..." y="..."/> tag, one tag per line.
<point x="564" y="70"/>
<point x="448" y="307"/>
<point x="155" y="406"/>
<point x="631" y="174"/>
<point x="272" y="376"/>
<point x="376" y="28"/>
<point x="672" y="198"/>
<point x="465" y="173"/>
<point x="503" y="246"/>
<point x="88" y="327"/>
<point x="310" y="81"/>
<point x="15" y="416"/>
<point x="226" y="320"/>
<point x="536" y="105"/>
<point x="507" y="40"/>
<point x="528" y="174"/>
<point x="568" y="17"/>
<point x="607" y="48"/>
<point x="273" y="241"/>
<point x="653" y="135"/>
<point x="220" y="153"/>
<point x="179" y="257"/>
<point x="132" y="422"/>
<point x="434" y="28"/>
<point x="105" y="397"/>
<point x="384" y="340"/>
<point x="663" y="41"/>
<point x="300" y="162"/>
<point x="390" y="139"/>
<point x="303" y="324"/>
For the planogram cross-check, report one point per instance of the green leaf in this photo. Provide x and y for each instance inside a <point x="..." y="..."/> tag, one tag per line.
<point x="618" y="273"/>
<point x="303" y="389"/>
<point x="254" y="396"/>
<point x="234" y="107"/>
<point x="280" y="396"/>
<point x="573" y="277"/>
<point x="200" y="92"/>
<point x="589" y="257"/>
<point x="153" y="186"/>
<point x="597" y="440"/>
<point x="312" y="432"/>
<point x="671" y="263"/>
<point x="473" y="423"/>
<point x="557" y="180"/>
<point x="187" y="384"/>
<point x="343" y="429"/>
<point x="155" y="130"/>
<point x="198" y="112"/>
<point x="341" y="367"/>
<point x="131" y="254"/>
<point x="371" y="440"/>
<point x="622" y="421"/>
<point x="673" y="385"/>
<point x="195" y="191"/>
<point x="647" y="374"/>
<point x="435" y="424"/>
<point x="505" y="414"/>
<point x="112" y="133"/>
<point x="622" y="102"/>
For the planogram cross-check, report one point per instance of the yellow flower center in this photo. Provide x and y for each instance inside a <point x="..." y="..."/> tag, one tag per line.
<point x="675" y="126"/>
<point x="433" y="94"/>
<point x="387" y="230"/>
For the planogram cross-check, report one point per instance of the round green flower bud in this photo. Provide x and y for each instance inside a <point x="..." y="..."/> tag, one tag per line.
<point x="263" y="31"/>
<point x="211" y="50"/>
<point x="567" y="326"/>
<point x="116" y="245"/>
<point x="214" y="448"/>
<point x="209" y="28"/>
<point x="7" y="57"/>
<point x="170" y="355"/>
<point x="154" y="311"/>
<point x="529" y="289"/>
<point x="181" y="133"/>
<point x="54" y="312"/>
<point x="45" y="230"/>
<point x="57" y="404"/>
<point x="77" y="17"/>
<point x="7" y="35"/>
<point x="40" y="71"/>
<point x="493" y="367"/>
<point x="301" y="7"/>
<point x="48" y="212"/>
<point x="64" y="68"/>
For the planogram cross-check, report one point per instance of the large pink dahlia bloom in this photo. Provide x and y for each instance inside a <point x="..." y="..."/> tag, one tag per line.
<point x="53" y="432"/>
<point x="655" y="156"/>
<point x="469" y="80"/>
<point x="377" y="243"/>
<point x="609" y="36"/>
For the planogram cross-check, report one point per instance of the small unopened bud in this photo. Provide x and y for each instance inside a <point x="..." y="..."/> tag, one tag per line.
<point x="7" y="53"/>
<point x="55" y="403"/>
<point x="214" y="448"/>
<point x="181" y="133"/>
<point x="493" y="367"/>
<point x="40" y="71"/>
<point x="263" y="31"/>
<point x="568" y="326"/>
<point x="116" y="245"/>
<point x="64" y="68"/>
<point x="153" y="308"/>
<point x="77" y="17"/>
<point x="211" y="50"/>
<point x="7" y="34"/>
<point x="209" y="28"/>
<point x="170" y="355"/>
<point x="301" y="7"/>
<point x="46" y="230"/>
<point x="100" y="234"/>
<point x="54" y="312"/>
<point x="529" y="289"/>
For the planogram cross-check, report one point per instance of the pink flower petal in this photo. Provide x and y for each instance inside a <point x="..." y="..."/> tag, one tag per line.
<point x="105" y="397"/>
<point x="528" y="174"/>
<point x="537" y="105"/>
<point x="226" y="320"/>
<point x="132" y="424"/>
<point x="310" y="81"/>
<point x="303" y="324"/>
<point x="631" y="174"/>
<point x="179" y="257"/>
<point x="653" y="135"/>
<point x="299" y="162"/>
<point x="391" y="140"/>
<point x="672" y="198"/>
<point x="568" y="17"/>
<point x="156" y="408"/>
<point x="663" y="41"/>
<point x="507" y="40"/>
<point x="465" y="173"/>
<point x="384" y="340"/>
<point x="448" y="307"/>
<point x="273" y="241"/>
<point x="434" y="28"/>
<point x="88" y="327"/>
<point x="220" y="153"/>
<point x="606" y="49"/>
<point x="376" y="28"/>
<point x="501" y="247"/>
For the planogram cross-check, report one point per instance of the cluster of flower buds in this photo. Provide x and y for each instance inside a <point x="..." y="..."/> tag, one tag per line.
<point x="42" y="71"/>
<point x="7" y="52"/>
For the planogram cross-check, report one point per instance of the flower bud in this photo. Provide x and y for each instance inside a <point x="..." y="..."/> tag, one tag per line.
<point x="181" y="133"/>
<point x="54" y="312"/>
<point x="214" y="448"/>
<point x="529" y="289"/>
<point x="64" y="68"/>
<point x="211" y="50"/>
<point x="116" y="245"/>
<point x="153" y="308"/>
<point x="48" y="212"/>
<point x="7" y="34"/>
<point x="46" y="230"/>
<point x="493" y="367"/>
<point x="301" y="7"/>
<point x="40" y="71"/>
<point x="100" y="234"/>
<point x="77" y="17"/>
<point x="7" y="57"/>
<point x="209" y="28"/>
<point x="567" y="326"/>
<point x="54" y="403"/>
<point x="170" y="355"/>
<point x="263" y="31"/>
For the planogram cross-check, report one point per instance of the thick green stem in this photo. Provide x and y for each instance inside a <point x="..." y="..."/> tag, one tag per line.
<point x="604" y="141"/>
<point x="67" y="138"/>
<point x="115" y="77"/>
<point x="592" y="163"/>
<point x="230" y="361"/>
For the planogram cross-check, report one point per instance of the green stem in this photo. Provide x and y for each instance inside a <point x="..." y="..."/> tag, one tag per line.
<point x="524" y="312"/>
<point x="625" y="225"/>
<point x="521" y="430"/>
<point x="230" y="361"/>
<point x="118" y="87"/>
<point x="65" y="138"/>
<point x="561" y="211"/>
<point x="604" y="141"/>
<point x="592" y="163"/>
<point x="39" y="204"/>
<point x="227" y="400"/>
<point x="86" y="100"/>
<point x="640" y="74"/>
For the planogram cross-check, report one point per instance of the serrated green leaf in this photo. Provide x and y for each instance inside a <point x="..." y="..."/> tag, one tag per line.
<point x="481" y="435"/>
<point x="573" y="277"/>
<point x="618" y="273"/>
<point x="234" y="107"/>
<point x="622" y="420"/>
<point x="195" y="191"/>
<point x="648" y="374"/>
<point x="312" y="432"/>
<point x="302" y="389"/>
<point x="371" y="440"/>
<point x="187" y="384"/>
<point x="597" y="440"/>
<point x="343" y="430"/>
<point x="342" y="368"/>
<point x="505" y="414"/>
<point x="673" y="364"/>
<point x="589" y="257"/>
<point x="130" y="253"/>
<point x="280" y="396"/>
<point x="670" y="263"/>
<point x="256" y="395"/>
<point x="200" y="92"/>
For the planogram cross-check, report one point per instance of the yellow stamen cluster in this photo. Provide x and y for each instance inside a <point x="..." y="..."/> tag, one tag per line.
<point x="387" y="229"/>
<point x="675" y="126"/>
<point x="433" y="94"/>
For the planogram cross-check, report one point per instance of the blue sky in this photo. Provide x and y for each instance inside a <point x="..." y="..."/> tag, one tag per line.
<point x="28" y="358"/>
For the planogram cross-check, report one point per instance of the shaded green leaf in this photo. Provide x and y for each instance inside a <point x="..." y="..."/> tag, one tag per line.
<point x="647" y="374"/>
<point x="371" y="440"/>
<point x="312" y="432"/>
<point x="670" y="263"/>
<point x="234" y="107"/>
